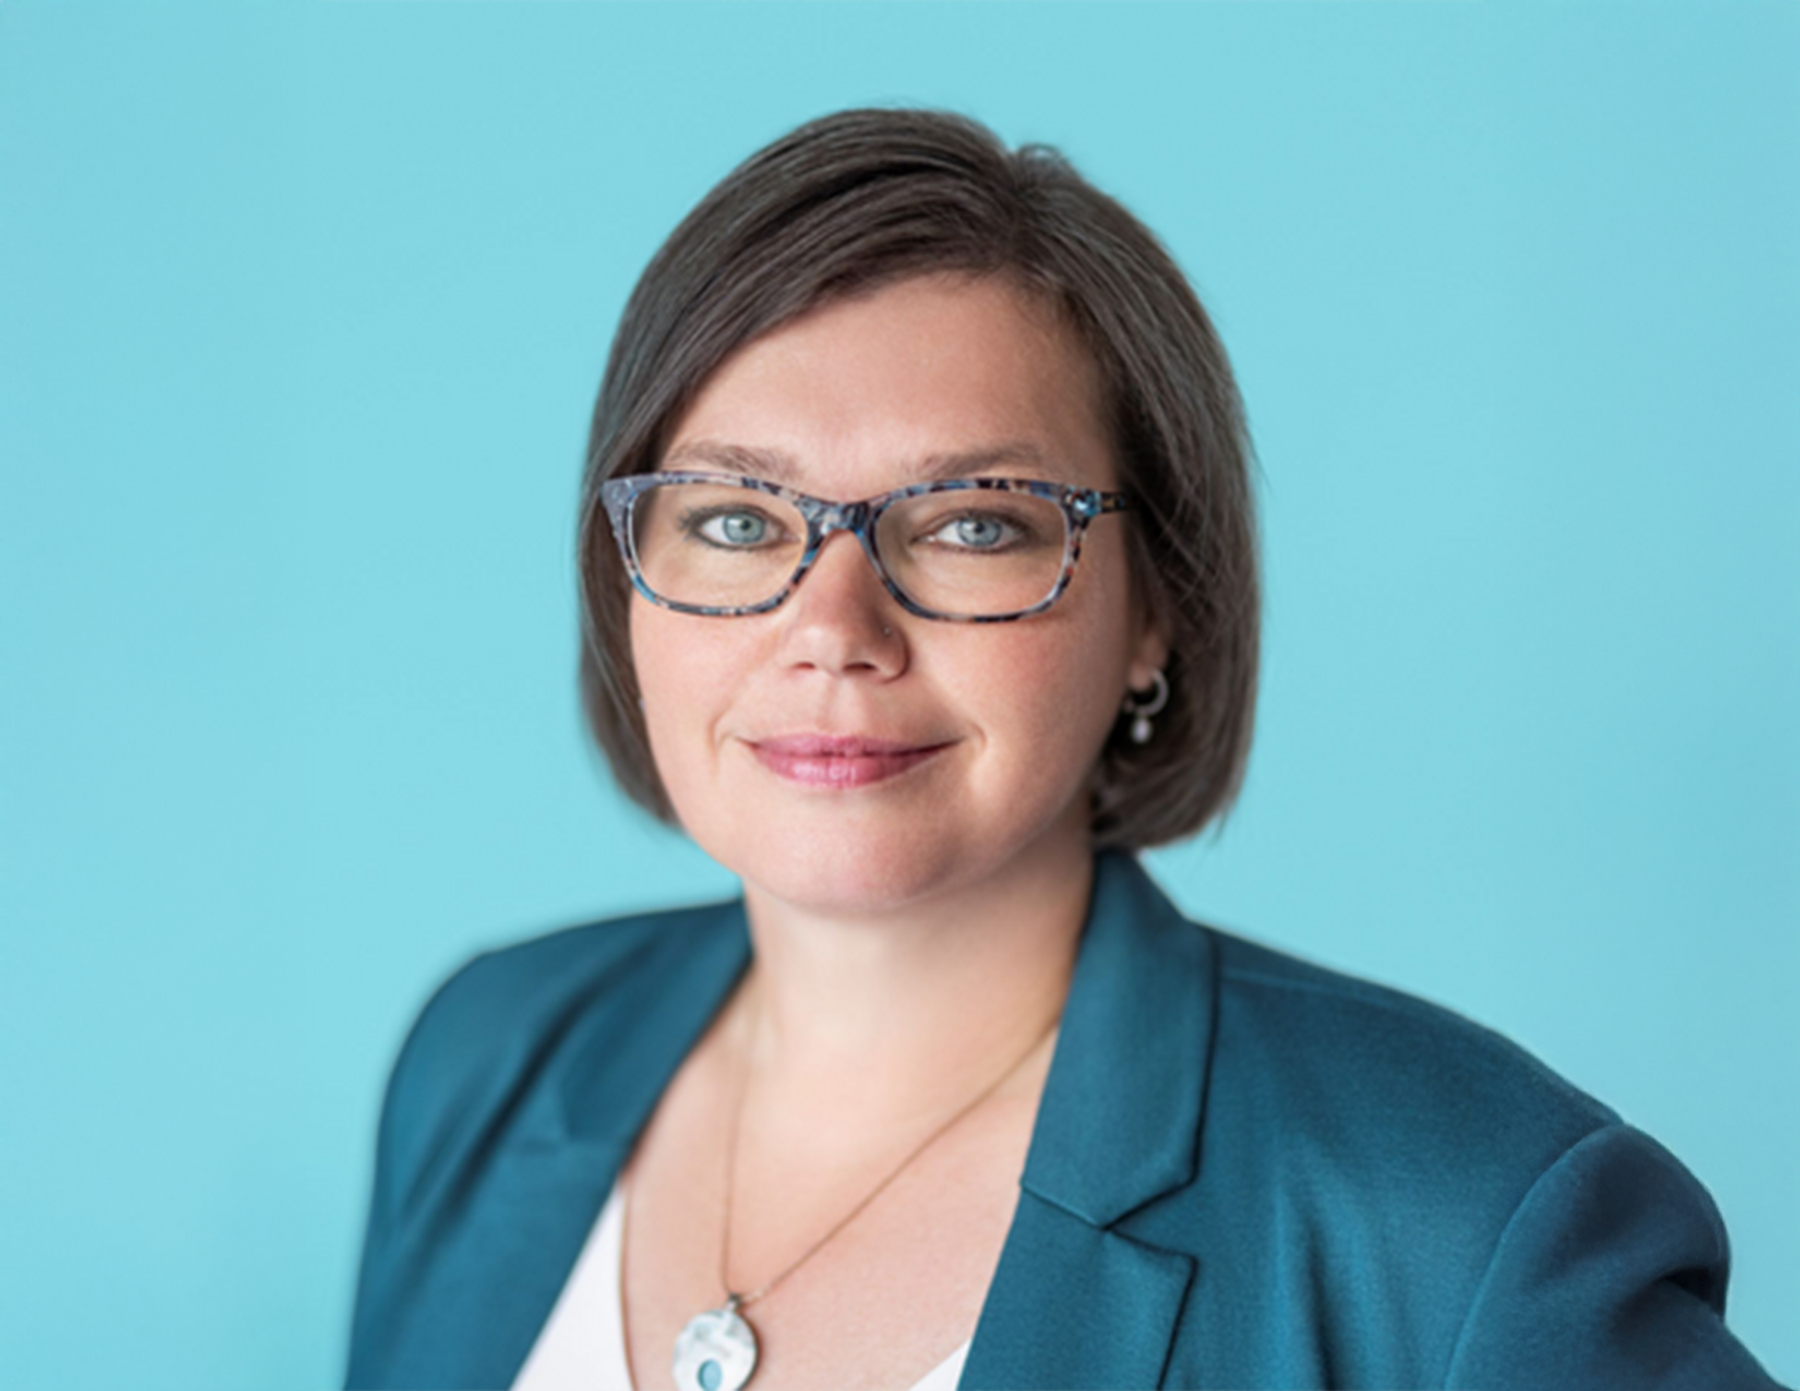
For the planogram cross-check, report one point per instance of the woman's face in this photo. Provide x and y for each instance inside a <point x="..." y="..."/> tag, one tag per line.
<point x="762" y="726"/>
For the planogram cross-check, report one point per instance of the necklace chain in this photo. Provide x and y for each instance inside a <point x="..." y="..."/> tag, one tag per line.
<point x="739" y="1301"/>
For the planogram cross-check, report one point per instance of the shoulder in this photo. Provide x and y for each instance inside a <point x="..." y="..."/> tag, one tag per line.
<point x="1441" y="1184"/>
<point x="531" y="982"/>
<point x="505" y="1002"/>
<point x="501" y="1113"/>
<point x="493" y="1036"/>
<point x="1383" y="1113"/>
<point x="1340" y="1046"/>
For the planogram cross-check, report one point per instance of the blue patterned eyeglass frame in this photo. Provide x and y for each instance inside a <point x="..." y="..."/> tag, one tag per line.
<point x="1079" y="507"/>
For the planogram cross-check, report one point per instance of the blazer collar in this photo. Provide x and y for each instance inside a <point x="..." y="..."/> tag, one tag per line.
<point x="1118" y="1126"/>
<point x="1119" y="1121"/>
<point x="682" y="971"/>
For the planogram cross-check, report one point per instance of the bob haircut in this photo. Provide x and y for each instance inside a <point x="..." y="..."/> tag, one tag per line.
<point x="859" y="200"/>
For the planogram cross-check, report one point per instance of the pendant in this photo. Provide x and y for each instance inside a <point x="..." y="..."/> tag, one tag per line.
<point x="716" y="1351"/>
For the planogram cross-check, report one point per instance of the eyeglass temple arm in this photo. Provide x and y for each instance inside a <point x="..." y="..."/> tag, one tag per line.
<point x="1090" y="503"/>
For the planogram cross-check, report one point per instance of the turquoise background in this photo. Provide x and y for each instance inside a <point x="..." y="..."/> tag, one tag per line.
<point x="301" y="314"/>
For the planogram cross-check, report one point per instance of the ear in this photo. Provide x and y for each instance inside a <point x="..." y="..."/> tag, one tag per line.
<point x="1150" y="654"/>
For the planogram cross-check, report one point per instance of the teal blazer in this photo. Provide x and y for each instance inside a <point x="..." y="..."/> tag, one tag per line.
<point x="1245" y="1172"/>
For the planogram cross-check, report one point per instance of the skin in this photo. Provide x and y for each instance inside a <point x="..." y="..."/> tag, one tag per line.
<point x="914" y="936"/>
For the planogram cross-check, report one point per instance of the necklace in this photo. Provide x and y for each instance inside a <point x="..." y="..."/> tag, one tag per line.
<point x="716" y="1351"/>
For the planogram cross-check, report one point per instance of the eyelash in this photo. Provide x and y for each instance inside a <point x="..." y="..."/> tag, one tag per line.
<point x="1018" y="534"/>
<point x="693" y="524"/>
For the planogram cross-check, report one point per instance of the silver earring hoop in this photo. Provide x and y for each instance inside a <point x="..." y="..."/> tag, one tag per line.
<point x="1141" y="710"/>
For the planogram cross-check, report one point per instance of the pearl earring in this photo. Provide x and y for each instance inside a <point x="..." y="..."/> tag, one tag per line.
<point x="1141" y="710"/>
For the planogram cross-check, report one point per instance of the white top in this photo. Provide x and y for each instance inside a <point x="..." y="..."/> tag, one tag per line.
<point x="582" y="1345"/>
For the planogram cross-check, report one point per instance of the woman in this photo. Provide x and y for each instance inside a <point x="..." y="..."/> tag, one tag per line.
<point x="953" y="1096"/>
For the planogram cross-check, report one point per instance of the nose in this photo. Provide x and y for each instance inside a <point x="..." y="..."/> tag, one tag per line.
<point x="840" y="619"/>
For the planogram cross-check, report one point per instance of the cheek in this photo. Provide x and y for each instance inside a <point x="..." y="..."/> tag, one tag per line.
<point x="1047" y="691"/>
<point x="683" y="673"/>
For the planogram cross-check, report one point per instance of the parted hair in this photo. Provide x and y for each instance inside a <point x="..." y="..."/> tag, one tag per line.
<point x="861" y="199"/>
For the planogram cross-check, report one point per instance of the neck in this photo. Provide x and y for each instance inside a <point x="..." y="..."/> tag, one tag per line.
<point x="860" y="1028"/>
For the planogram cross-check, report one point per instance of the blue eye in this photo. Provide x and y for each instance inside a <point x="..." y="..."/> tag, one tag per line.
<point x="975" y="531"/>
<point x="979" y="531"/>
<point x="733" y="530"/>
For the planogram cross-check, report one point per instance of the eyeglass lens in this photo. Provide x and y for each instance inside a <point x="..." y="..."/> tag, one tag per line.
<point x="966" y="554"/>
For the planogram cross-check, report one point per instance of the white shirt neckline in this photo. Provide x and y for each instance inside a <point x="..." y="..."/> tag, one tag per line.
<point x="582" y="1344"/>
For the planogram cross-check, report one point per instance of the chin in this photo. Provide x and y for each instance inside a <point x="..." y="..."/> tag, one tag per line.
<point x="870" y="860"/>
<point x="844" y="870"/>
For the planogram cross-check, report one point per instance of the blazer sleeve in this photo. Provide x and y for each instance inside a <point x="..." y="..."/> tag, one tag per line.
<point x="1610" y="1274"/>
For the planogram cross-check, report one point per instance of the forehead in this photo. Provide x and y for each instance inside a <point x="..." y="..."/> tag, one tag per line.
<point x="933" y="377"/>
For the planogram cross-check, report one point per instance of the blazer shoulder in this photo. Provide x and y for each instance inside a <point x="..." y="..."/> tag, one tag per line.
<point x="1383" y="1098"/>
<point x="513" y="993"/>
<point x="1384" y="1044"/>
<point x="497" y="1025"/>
<point x="1381" y="1146"/>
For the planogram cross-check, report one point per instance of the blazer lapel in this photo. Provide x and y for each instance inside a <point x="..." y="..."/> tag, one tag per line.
<point x="543" y="1185"/>
<point x="1074" y="1305"/>
<point x="463" y="1327"/>
<point x="1075" y="1302"/>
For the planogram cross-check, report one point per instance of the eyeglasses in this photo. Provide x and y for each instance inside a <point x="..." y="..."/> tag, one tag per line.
<point x="966" y="550"/>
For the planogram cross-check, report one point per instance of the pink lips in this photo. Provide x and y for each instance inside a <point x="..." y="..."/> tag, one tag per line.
<point x="817" y="760"/>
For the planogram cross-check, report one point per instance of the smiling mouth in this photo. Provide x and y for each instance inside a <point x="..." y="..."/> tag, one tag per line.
<point x="814" y="760"/>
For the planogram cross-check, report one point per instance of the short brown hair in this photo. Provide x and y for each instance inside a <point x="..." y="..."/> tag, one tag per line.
<point x="861" y="199"/>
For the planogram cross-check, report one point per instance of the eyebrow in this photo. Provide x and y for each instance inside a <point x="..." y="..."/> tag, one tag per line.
<point x="778" y="466"/>
<point x="772" y="464"/>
